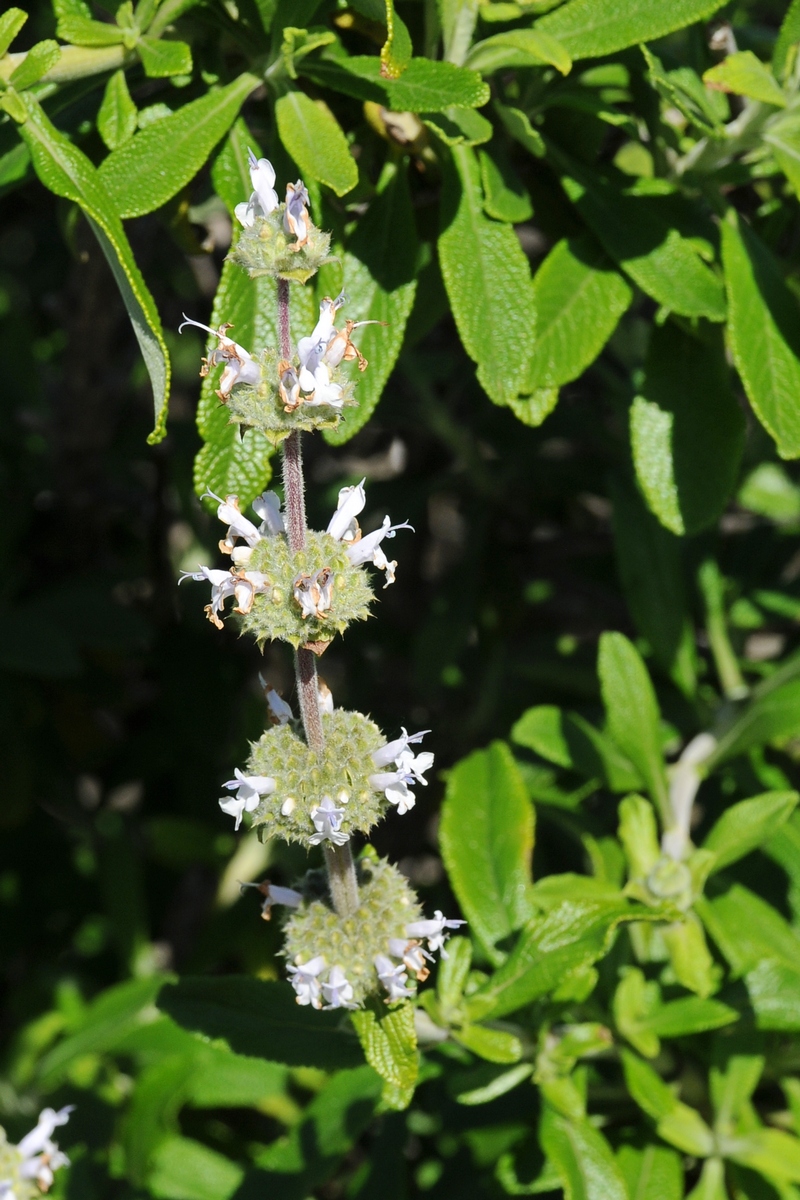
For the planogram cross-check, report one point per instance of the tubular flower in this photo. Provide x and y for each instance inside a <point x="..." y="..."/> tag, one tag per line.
<point x="28" y="1168"/>
<point x="304" y="981"/>
<point x="324" y="391"/>
<point x="412" y="955"/>
<point x="337" y="991"/>
<point x="343" y="524"/>
<point x="268" y="507"/>
<point x="243" y="585"/>
<point x="288" y="386"/>
<point x="295" y="218"/>
<point x="327" y="821"/>
<point x="249" y="790"/>
<point x="273" y="894"/>
<point x="314" y="346"/>
<point x="239" y="526"/>
<point x="264" y="198"/>
<point x="240" y="367"/>
<point x="279" y="711"/>
<point x="314" y="592"/>
<point x="393" y="978"/>
<point x="410" y="769"/>
<point x="434" y="931"/>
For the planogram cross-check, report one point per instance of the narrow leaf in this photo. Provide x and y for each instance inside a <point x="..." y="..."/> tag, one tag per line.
<point x="748" y="825"/>
<point x="314" y="138"/>
<point x="518" y="48"/>
<point x="36" y="63"/>
<point x="161" y="58"/>
<point x="117" y="116"/>
<point x="11" y="23"/>
<point x="745" y="75"/>
<point x="582" y="1157"/>
<point x="590" y="28"/>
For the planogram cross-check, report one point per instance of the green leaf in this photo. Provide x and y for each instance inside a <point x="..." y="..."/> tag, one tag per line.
<point x="745" y="75"/>
<point x="184" y="1169"/>
<point x="66" y="170"/>
<point x="486" y="834"/>
<point x="495" y="1045"/>
<point x="459" y="126"/>
<point x="389" y="1042"/>
<point x="487" y="278"/>
<point x="747" y="825"/>
<point x="261" y="1019"/>
<point x="486" y="1083"/>
<point x="379" y="270"/>
<point x="570" y="741"/>
<point x="582" y="1158"/>
<point x="572" y="934"/>
<point x="689" y="955"/>
<point x="532" y="410"/>
<point x="397" y="49"/>
<point x="639" y="232"/>
<point x="676" y="1122"/>
<point x="230" y="172"/>
<point x="230" y="464"/>
<point x="591" y="28"/>
<point x="771" y="1152"/>
<point x="771" y="717"/>
<point x="161" y="58"/>
<point x="36" y="63"/>
<point x="75" y="24"/>
<point x="451" y="978"/>
<point x="687" y="429"/>
<point x="690" y="1015"/>
<point x="505" y="197"/>
<point x="425" y="86"/>
<point x="458" y="19"/>
<point x="314" y="138"/>
<point x="520" y="129"/>
<point x="11" y="23"/>
<point x="783" y="136"/>
<point x="578" y="299"/>
<point x="764" y="333"/>
<point x="117" y="116"/>
<point x="638" y="833"/>
<point x="518" y="48"/>
<point x="711" y="1185"/>
<point x="651" y="1172"/>
<point x="732" y="1088"/>
<point x="788" y="36"/>
<point x="773" y="988"/>
<point x="650" y="570"/>
<point x="156" y="163"/>
<point x="632" y="713"/>
<point x="683" y="89"/>
<point x="747" y="929"/>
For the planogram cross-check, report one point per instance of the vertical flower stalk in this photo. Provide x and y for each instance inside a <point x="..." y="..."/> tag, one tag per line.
<point x="338" y="859"/>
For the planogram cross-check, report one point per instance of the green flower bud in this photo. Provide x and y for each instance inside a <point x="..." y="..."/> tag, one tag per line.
<point x="332" y="786"/>
<point x="313" y="595"/>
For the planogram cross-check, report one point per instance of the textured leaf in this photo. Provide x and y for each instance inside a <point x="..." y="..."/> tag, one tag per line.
<point x="260" y="1019"/>
<point x="771" y="1152"/>
<point x="379" y="270"/>
<point x="745" y="75"/>
<point x="459" y="126"/>
<point x="161" y="59"/>
<point x="314" y="138"/>
<point x="486" y="835"/>
<point x="397" y="49"/>
<point x="230" y="172"/>
<point x="494" y="1045"/>
<point x="689" y="955"/>
<point x="519" y="127"/>
<point x="676" y="1122"/>
<point x="147" y="171"/>
<point x="75" y="24"/>
<point x="783" y="136"/>
<point x="65" y="170"/>
<point x="488" y="282"/>
<point x="184" y="1169"/>
<point x="687" y="430"/>
<point x="458" y="19"/>
<point x="651" y="1173"/>
<point x="389" y="1042"/>
<point x="788" y="36"/>
<point x="117" y="116"/>
<point x="424" y="86"/>
<point x="36" y="63"/>
<point x="582" y="1158"/>
<point x="747" y="825"/>
<point x="570" y="741"/>
<point x="639" y="233"/>
<point x="773" y="988"/>
<point x="764" y="333"/>
<point x="578" y="298"/>
<point x="632" y="712"/>
<point x="518" y="48"/>
<point x="773" y="716"/>
<point x="747" y="929"/>
<point x="505" y="197"/>
<point x="648" y="560"/>
<point x="11" y="23"/>
<point x="590" y="28"/>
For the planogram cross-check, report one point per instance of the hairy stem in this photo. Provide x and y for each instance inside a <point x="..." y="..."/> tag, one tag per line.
<point x="338" y="859"/>
<point x="342" y="879"/>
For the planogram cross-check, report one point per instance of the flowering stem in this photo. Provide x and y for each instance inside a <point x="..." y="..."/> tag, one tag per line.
<point x="338" y="859"/>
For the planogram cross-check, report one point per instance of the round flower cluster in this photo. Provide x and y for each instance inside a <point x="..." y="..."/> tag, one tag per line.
<point x="27" y="1170"/>
<point x="304" y="598"/>
<point x="337" y="962"/>
<point x="309" y="796"/>
<point x="278" y="239"/>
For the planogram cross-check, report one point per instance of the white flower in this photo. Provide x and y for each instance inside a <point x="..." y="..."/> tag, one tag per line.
<point x="240" y="367"/>
<point x="264" y="198"/>
<point x="369" y="547"/>
<point x="239" y="526"/>
<point x="288" y="386"/>
<point x="324" y="392"/>
<point x="343" y="524"/>
<point x="314" y="593"/>
<point x="244" y="585"/>
<point x="249" y="790"/>
<point x="413" y="956"/>
<point x="392" y="750"/>
<point x="410" y="769"/>
<point x="337" y="991"/>
<point x="434" y="931"/>
<point x="39" y="1153"/>
<point x="304" y="980"/>
<point x="325" y="696"/>
<point x="341" y="347"/>
<point x="393" y="978"/>
<point x="268" y="507"/>
<point x="273" y="894"/>
<point x="309" y="347"/>
<point x="295" y="217"/>
<point x="327" y="820"/>
<point x="395" y="787"/>
<point x="279" y="711"/>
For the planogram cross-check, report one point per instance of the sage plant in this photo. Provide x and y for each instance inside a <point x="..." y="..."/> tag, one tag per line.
<point x="320" y="779"/>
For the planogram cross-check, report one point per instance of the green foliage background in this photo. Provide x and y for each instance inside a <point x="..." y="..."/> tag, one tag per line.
<point x="580" y="221"/>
